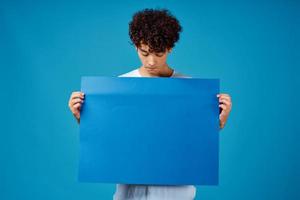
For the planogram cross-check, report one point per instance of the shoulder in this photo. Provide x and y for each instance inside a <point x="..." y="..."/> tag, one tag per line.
<point x="179" y="75"/>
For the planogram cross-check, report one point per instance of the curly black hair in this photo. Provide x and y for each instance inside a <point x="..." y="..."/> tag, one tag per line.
<point x="157" y="28"/>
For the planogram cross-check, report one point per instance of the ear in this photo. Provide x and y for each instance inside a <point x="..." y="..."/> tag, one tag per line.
<point x="170" y="50"/>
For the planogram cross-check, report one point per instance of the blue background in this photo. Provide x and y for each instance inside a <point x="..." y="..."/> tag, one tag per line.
<point x="45" y="47"/>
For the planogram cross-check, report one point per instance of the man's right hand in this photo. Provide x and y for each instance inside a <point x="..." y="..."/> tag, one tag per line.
<point x="75" y="103"/>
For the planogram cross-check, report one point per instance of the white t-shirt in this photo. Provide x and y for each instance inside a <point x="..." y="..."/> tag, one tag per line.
<point x="154" y="192"/>
<point x="136" y="73"/>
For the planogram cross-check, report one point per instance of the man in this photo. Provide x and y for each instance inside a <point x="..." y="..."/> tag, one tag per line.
<point x="154" y="34"/>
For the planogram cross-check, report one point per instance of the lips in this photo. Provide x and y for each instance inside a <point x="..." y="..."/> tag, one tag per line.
<point x="151" y="68"/>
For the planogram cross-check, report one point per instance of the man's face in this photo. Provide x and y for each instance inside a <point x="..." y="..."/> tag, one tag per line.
<point x="153" y="62"/>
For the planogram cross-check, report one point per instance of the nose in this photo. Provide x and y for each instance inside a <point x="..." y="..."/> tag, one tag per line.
<point x="151" y="61"/>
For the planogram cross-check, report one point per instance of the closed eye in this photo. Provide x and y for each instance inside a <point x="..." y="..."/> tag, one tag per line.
<point x="159" y="54"/>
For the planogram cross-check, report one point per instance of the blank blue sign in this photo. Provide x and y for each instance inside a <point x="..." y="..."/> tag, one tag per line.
<point x="156" y="131"/>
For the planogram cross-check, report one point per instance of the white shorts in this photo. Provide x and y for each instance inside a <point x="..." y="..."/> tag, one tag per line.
<point x="150" y="192"/>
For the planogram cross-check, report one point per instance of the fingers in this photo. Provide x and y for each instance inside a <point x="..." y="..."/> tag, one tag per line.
<point x="224" y="96"/>
<point x="225" y="103"/>
<point x="77" y="95"/>
<point x="225" y="99"/>
<point x="76" y="108"/>
<point x="224" y="107"/>
<point x="75" y="102"/>
<point x="223" y="115"/>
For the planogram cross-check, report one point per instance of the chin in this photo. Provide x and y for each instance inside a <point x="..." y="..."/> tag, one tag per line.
<point x="151" y="69"/>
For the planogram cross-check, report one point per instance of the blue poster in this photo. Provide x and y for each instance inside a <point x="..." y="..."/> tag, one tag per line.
<point x="156" y="131"/>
